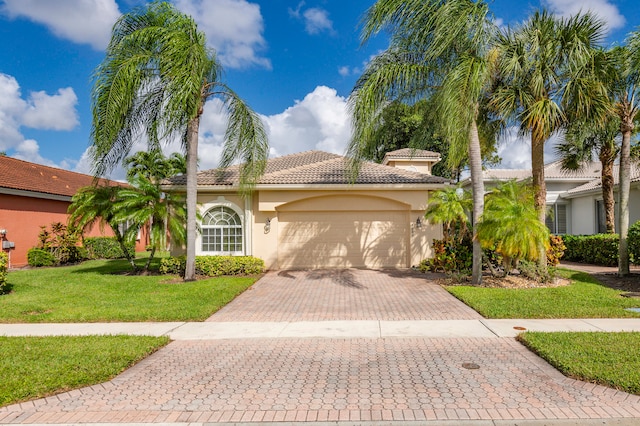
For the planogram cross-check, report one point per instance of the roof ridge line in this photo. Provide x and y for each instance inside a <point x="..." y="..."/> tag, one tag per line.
<point x="303" y="166"/>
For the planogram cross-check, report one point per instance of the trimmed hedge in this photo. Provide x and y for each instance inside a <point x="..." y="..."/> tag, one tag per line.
<point x="598" y="249"/>
<point x="213" y="266"/>
<point x="106" y="248"/>
<point x="4" y="265"/>
<point x="40" y="257"/>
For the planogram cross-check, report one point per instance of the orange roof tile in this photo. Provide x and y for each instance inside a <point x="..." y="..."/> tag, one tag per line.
<point x="23" y="175"/>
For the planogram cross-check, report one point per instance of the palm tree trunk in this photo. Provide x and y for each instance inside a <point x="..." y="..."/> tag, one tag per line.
<point x="540" y="188"/>
<point x="192" y="197"/>
<point x="624" y="188"/>
<point x="477" y="185"/>
<point x="607" y="157"/>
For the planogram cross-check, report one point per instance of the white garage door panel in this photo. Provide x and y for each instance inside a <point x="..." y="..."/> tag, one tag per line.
<point x="342" y="239"/>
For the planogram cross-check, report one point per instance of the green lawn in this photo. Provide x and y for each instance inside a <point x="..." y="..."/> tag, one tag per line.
<point x="102" y="291"/>
<point x="34" y="367"/>
<point x="584" y="298"/>
<point x="611" y="359"/>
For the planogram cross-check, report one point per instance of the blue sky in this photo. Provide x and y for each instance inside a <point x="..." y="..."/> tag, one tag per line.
<point x="295" y="62"/>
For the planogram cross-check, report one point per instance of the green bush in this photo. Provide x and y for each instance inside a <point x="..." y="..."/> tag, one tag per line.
<point x="599" y="249"/>
<point x="106" y="248"/>
<point x="450" y="255"/>
<point x="213" y="266"/>
<point x="633" y="241"/>
<point x="4" y="265"/>
<point x="40" y="257"/>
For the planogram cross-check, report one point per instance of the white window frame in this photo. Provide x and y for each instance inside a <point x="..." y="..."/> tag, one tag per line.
<point x="231" y="206"/>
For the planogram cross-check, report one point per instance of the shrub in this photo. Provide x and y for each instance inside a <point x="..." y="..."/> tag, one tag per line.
<point x="106" y="248"/>
<point x="213" y="266"/>
<point x="4" y="265"/>
<point x="599" y="249"/>
<point x="449" y="256"/>
<point x="61" y="241"/>
<point x="40" y="257"/>
<point x="633" y="241"/>
<point x="556" y="250"/>
<point x="533" y="271"/>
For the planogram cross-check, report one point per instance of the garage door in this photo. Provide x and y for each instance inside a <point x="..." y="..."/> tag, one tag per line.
<point x="343" y="239"/>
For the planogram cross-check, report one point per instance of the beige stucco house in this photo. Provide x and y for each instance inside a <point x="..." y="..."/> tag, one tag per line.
<point x="305" y="213"/>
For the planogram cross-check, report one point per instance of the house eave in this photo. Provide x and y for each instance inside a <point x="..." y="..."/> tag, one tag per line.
<point x="34" y="194"/>
<point x="314" y="187"/>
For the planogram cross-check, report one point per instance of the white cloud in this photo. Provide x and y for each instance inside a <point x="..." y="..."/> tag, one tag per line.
<point x="515" y="150"/>
<point x="81" y="21"/>
<point x="233" y="27"/>
<point x="604" y="9"/>
<point x="39" y="111"/>
<point x="56" y="112"/>
<point x="316" y="19"/>
<point x="319" y="121"/>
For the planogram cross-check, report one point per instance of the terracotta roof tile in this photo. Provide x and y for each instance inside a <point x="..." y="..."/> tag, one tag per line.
<point x="412" y="153"/>
<point x="311" y="168"/>
<point x="26" y="176"/>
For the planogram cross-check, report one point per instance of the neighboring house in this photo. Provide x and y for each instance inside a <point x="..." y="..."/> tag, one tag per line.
<point x="31" y="196"/>
<point x="574" y="198"/>
<point x="305" y="213"/>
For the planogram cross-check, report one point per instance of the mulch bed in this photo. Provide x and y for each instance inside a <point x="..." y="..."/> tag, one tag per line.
<point x="630" y="283"/>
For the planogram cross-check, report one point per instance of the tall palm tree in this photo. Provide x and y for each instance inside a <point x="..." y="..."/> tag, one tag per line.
<point x="96" y="204"/>
<point x="625" y="85"/>
<point x="156" y="77"/>
<point x="441" y="49"/>
<point x="582" y="141"/>
<point x="540" y="65"/>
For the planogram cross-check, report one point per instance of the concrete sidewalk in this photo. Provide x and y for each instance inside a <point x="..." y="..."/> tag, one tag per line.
<point x="339" y="348"/>
<point x="326" y="329"/>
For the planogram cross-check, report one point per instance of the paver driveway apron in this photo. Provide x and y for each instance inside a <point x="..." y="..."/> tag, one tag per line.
<point x="333" y="379"/>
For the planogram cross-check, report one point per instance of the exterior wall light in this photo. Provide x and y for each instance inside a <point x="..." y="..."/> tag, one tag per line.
<point x="267" y="226"/>
<point x="419" y="223"/>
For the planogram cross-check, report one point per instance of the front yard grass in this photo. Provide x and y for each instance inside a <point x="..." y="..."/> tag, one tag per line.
<point x="34" y="367"/>
<point x="610" y="359"/>
<point x="585" y="297"/>
<point x="104" y="291"/>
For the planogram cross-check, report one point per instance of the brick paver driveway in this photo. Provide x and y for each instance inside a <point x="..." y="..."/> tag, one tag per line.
<point x="328" y="379"/>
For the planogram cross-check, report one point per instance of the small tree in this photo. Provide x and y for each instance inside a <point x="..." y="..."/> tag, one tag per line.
<point x="451" y="207"/>
<point x="510" y="225"/>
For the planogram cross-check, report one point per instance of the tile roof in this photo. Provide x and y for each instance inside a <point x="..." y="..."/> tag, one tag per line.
<point x="313" y="168"/>
<point x="551" y="171"/>
<point x="597" y="182"/>
<point x="23" y="175"/>
<point x="412" y="153"/>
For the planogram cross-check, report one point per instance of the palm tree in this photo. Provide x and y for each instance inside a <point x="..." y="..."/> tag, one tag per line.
<point x="450" y="206"/>
<point x="145" y="203"/>
<point x="510" y="225"/>
<point x="156" y="77"/>
<point x="582" y="140"/>
<point x="625" y="89"/>
<point x="96" y="204"/>
<point x="539" y="86"/>
<point x="438" y="49"/>
<point x="154" y="166"/>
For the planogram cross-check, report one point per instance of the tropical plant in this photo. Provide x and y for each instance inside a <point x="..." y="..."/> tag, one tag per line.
<point x="145" y="203"/>
<point x="582" y="141"/>
<point x="440" y="50"/>
<point x="540" y="84"/>
<point x="154" y="166"/>
<point x="510" y="225"/>
<point x="97" y="204"/>
<point x="624" y="84"/>
<point x="451" y="207"/>
<point x="156" y="77"/>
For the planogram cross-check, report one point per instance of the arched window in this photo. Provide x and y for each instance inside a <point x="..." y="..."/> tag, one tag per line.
<point x="221" y="231"/>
